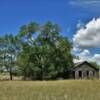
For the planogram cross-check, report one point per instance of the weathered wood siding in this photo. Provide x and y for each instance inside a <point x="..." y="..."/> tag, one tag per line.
<point x="85" y="71"/>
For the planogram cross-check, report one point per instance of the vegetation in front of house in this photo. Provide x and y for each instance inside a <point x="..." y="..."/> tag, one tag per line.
<point x="37" y="52"/>
<point x="50" y="90"/>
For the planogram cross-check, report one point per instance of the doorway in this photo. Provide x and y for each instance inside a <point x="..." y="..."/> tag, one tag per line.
<point x="80" y="74"/>
<point x="73" y="74"/>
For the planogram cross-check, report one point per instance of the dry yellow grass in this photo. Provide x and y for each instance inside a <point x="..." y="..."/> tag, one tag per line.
<point x="50" y="90"/>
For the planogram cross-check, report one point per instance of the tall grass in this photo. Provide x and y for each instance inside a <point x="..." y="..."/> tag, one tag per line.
<point x="50" y="90"/>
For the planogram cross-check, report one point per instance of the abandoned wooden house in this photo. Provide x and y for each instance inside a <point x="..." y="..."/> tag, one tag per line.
<point x="84" y="70"/>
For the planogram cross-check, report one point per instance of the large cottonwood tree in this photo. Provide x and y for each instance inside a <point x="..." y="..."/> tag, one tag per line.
<point x="45" y="54"/>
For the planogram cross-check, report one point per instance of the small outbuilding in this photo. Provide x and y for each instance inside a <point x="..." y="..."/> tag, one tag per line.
<point x="84" y="70"/>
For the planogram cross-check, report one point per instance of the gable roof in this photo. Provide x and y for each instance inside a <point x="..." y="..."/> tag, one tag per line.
<point x="76" y="65"/>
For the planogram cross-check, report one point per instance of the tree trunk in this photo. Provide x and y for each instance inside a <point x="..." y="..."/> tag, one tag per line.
<point x="11" y="75"/>
<point x="43" y="73"/>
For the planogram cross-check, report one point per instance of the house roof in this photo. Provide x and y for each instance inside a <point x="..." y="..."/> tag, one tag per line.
<point x="84" y="62"/>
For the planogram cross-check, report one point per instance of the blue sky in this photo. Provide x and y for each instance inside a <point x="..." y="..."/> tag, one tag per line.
<point x="67" y="13"/>
<point x="14" y="13"/>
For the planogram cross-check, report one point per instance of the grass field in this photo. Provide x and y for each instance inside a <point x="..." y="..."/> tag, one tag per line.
<point x="50" y="90"/>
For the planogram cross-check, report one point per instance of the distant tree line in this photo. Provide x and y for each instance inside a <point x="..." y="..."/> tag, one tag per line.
<point x="37" y="52"/>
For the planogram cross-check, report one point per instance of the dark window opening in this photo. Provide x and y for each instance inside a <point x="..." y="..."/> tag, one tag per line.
<point x="73" y="74"/>
<point x="80" y="74"/>
<point x="87" y="73"/>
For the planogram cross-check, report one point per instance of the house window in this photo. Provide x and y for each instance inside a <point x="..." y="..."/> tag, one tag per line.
<point x="80" y="74"/>
<point x="73" y="74"/>
<point x="87" y="73"/>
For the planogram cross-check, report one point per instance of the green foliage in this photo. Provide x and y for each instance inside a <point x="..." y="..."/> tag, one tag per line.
<point x="37" y="52"/>
<point x="46" y="56"/>
<point x="9" y="47"/>
<point x="95" y="65"/>
<point x="28" y="30"/>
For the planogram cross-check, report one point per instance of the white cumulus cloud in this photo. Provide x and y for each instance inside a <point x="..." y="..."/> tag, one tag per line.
<point x="89" y="35"/>
<point x="96" y="58"/>
<point x="85" y="55"/>
<point x="84" y="2"/>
